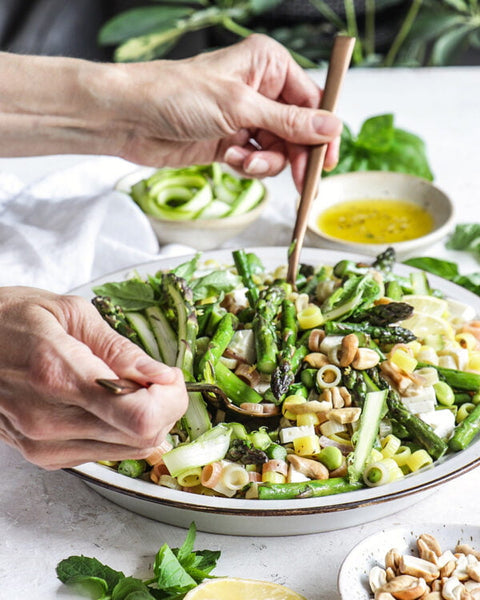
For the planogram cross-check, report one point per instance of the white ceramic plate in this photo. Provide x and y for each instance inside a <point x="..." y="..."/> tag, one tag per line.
<point x="385" y="185"/>
<point x="275" y="517"/>
<point x="353" y="575"/>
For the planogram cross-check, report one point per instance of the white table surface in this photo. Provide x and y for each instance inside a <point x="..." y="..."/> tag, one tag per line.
<point x="47" y="516"/>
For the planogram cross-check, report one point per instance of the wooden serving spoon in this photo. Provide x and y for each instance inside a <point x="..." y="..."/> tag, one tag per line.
<point x="339" y="62"/>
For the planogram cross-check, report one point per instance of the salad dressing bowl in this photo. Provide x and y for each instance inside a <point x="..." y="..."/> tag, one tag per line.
<point x="276" y="517"/>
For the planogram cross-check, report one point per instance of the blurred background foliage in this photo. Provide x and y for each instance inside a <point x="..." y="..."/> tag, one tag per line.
<point x="389" y="32"/>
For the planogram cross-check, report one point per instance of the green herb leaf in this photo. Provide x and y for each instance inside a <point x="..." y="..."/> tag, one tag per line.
<point x="170" y="574"/>
<point x="131" y="295"/>
<point x="441" y="268"/>
<point x="376" y="133"/>
<point x="382" y="147"/>
<point x="187" y="547"/>
<point x="187" y="269"/>
<point x="131" y="588"/>
<point x="466" y="236"/>
<point x="141" y="21"/>
<point x="213" y="284"/>
<point x="74" y="569"/>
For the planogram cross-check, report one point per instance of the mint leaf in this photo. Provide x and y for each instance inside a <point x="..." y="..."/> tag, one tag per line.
<point x="94" y="587"/>
<point x="131" y="588"/>
<point x="131" y="295"/>
<point x="170" y="574"/>
<point x="187" y="547"/>
<point x="75" y="568"/>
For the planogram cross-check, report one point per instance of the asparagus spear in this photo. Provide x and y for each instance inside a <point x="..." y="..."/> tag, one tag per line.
<point x="115" y="317"/>
<point x="218" y="343"/>
<point x="459" y="380"/>
<point x="383" y="314"/>
<point x="420" y="431"/>
<point x="466" y="431"/>
<point x="307" y="489"/>
<point x="385" y="335"/>
<point x="264" y="328"/>
<point x="385" y="261"/>
<point x="283" y="375"/>
<point x="236" y="389"/>
<point x="241" y="262"/>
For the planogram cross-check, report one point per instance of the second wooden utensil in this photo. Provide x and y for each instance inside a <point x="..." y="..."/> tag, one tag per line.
<point x="339" y="63"/>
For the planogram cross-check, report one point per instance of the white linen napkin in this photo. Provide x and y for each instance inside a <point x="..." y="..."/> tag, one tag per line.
<point x="71" y="227"/>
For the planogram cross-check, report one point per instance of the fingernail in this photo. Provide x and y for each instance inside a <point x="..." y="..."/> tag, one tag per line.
<point x="327" y="124"/>
<point x="258" y="166"/>
<point x="234" y="155"/>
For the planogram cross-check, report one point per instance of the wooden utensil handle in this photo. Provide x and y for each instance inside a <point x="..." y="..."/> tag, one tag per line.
<point x="339" y="63"/>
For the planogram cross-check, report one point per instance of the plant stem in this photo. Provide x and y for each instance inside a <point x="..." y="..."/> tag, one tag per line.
<point x="352" y="30"/>
<point x="244" y="32"/>
<point x="402" y="33"/>
<point x="369" y="42"/>
<point x="329" y="14"/>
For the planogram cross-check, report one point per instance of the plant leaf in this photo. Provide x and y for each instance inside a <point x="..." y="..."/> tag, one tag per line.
<point x="141" y="21"/>
<point x="147" y="47"/>
<point x="131" y="588"/>
<point x="450" y="44"/>
<point x="187" y="547"/>
<point x="376" y="133"/>
<point x="466" y="236"/>
<point x="74" y="568"/>
<point x="170" y="574"/>
<point x="459" y="5"/>
<point x="261" y="6"/>
<point x="131" y="295"/>
<point x="437" y="266"/>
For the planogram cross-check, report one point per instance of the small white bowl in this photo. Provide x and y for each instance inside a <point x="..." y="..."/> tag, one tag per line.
<point x="201" y="234"/>
<point x="386" y="185"/>
<point x="353" y="575"/>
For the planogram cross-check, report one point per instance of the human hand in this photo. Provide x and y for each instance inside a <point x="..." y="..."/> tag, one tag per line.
<point x="212" y="106"/>
<point x="53" y="348"/>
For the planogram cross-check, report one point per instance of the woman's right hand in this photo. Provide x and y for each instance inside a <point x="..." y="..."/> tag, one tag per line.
<point x="52" y="350"/>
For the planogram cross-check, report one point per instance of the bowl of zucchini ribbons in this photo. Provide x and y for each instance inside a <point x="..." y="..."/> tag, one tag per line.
<point x="201" y="205"/>
<point x="348" y="398"/>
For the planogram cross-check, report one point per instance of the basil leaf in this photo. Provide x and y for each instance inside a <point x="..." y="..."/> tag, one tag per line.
<point x="376" y="133"/>
<point x="170" y="574"/>
<point x="131" y="295"/>
<point x="187" y="269"/>
<point x="437" y="266"/>
<point x="213" y="283"/>
<point x="466" y="236"/>
<point x="187" y="547"/>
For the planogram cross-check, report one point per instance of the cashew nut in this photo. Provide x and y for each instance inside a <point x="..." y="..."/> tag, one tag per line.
<point x="345" y="415"/>
<point x="377" y="578"/>
<point x="392" y="559"/>
<point x="405" y="587"/>
<point x="430" y="542"/>
<point x="315" y="338"/>
<point x="452" y="589"/>
<point x="365" y="358"/>
<point x="316" y="359"/>
<point x="348" y="350"/>
<point x="311" y="468"/>
<point x="418" y="567"/>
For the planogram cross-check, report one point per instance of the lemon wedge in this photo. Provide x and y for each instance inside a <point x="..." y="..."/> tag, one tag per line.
<point x="231" y="588"/>
<point x="430" y="305"/>
<point x="424" y="324"/>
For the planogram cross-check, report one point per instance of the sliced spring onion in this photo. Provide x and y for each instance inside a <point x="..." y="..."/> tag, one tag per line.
<point x="211" y="446"/>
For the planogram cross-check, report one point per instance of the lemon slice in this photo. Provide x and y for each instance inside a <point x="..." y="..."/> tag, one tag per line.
<point x="430" y="305"/>
<point x="230" y="588"/>
<point x="424" y="324"/>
